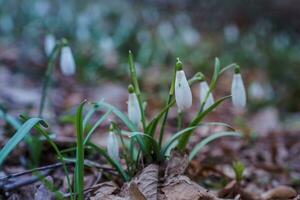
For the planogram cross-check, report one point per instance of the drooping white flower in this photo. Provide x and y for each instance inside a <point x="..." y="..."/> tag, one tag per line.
<point x="204" y="89"/>
<point x="183" y="94"/>
<point x="113" y="146"/>
<point x="133" y="108"/>
<point x="67" y="63"/>
<point x="49" y="44"/>
<point x="238" y="91"/>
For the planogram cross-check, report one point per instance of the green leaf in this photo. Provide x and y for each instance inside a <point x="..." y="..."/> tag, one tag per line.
<point x="150" y="130"/>
<point x="96" y="125"/>
<point x="106" y="106"/>
<point x="238" y="168"/>
<point x="38" y="128"/>
<point x="139" y="137"/>
<point x="9" y="119"/>
<point x="209" y="139"/>
<point x="18" y="137"/>
<point x="184" y="139"/>
<point x="114" y="163"/>
<point x="79" y="169"/>
<point x="186" y="131"/>
<point x="216" y="72"/>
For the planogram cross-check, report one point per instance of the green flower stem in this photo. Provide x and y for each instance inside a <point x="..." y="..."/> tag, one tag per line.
<point x="48" y="75"/>
<point x="179" y="120"/>
<point x="197" y="77"/>
<point x="171" y="94"/>
<point x="136" y="88"/>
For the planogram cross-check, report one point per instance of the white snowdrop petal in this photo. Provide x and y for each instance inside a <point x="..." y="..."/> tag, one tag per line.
<point x="49" y="44"/>
<point x="204" y="89"/>
<point x="238" y="91"/>
<point x="134" y="113"/>
<point x="183" y="94"/>
<point x="113" y="146"/>
<point x="67" y="63"/>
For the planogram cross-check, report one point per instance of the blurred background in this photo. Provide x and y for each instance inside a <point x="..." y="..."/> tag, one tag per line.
<point x="261" y="36"/>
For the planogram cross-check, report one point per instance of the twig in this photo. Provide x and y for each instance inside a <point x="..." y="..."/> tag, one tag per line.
<point x="23" y="182"/>
<point x="46" y="170"/>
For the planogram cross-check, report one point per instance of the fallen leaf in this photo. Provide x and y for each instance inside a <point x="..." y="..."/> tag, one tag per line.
<point x="279" y="192"/>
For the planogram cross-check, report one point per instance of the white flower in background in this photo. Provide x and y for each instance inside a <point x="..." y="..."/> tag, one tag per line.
<point x="49" y="44"/>
<point x="238" y="90"/>
<point x="133" y="108"/>
<point x="204" y="89"/>
<point x="67" y="63"/>
<point x="183" y="94"/>
<point x="256" y="91"/>
<point x="113" y="146"/>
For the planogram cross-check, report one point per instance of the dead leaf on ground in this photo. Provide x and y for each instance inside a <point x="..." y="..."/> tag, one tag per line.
<point x="279" y="192"/>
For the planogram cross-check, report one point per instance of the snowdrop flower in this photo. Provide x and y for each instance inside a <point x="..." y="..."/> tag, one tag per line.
<point x="67" y="63"/>
<point x="204" y="89"/>
<point x="183" y="94"/>
<point x="238" y="90"/>
<point x="113" y="146"/>
<point x="133" y="108"/>
<point x="49" y="44"/>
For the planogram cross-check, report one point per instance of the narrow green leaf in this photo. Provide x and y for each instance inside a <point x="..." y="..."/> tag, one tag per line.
<point x="184" y="139"/>
<point x="79" y="169"/>
<point x="209" y="139"/>
<point x="114" y="163"/>
<point x="9" y="119"/>
<point x="18" y="137"/>
<point x="106" y="106"/>
<point x="96" y="125"/>
<point x="38" y="128"/>
<point x="187" y="131"/>
<point x="138" y="136"/>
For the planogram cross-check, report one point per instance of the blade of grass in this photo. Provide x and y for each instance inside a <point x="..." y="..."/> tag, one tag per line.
<point x="96" y="125"/>
<point x="101" y="105"/>
<point x="114" y="163"/>
<point x="39" y="129"/>
<point x="135" y="83"/>
<point x="209" y="139"/>
<point x="47" y="80"/>
<point x="9" y="119"/>
<point x="79" y="169"/>
<point x="18" y="137"/>
<point x="187" y="131"/>
<point x="184" y="139"/>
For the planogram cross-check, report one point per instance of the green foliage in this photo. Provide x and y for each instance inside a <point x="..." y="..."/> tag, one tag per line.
<point x="18" y="137"/>
<point x="79" y="168"/>
<point x="238" y="168"/>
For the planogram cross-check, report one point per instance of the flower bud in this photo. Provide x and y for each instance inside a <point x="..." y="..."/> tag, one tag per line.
<point x="238" y="90"/>
<point x="67" y="63"/>
<point x="204" y="89"/>
<point x="113" y="146"/>
<point x="133" y="108"/>
<point x="183" y="94"/>
<point x="49" y="44"/>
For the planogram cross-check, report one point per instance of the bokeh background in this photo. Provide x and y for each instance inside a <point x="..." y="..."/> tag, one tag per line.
<point x="261" y="36"/>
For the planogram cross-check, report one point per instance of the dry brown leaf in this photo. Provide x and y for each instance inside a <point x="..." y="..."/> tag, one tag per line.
<point x="177" y="163"/>
<point x="105" y="191"/>
<point x="135" y="193"/>
<point x="182" y="188"/>
<point x="147" y="181"/>
<point x="280" y="192"/>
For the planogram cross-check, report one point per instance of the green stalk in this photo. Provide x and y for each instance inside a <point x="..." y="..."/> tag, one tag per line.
<point x="48" y="76"/>
<point x="79" y="169"/>
<point x="171" y="94"/>
<point x="199" y="117"/>
<point x="179" y="120"/>
<point x="136" y="88"/>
